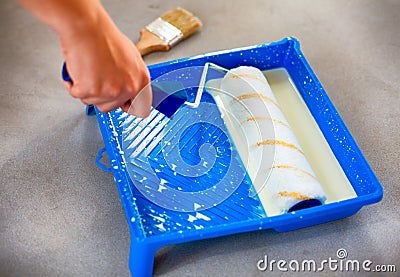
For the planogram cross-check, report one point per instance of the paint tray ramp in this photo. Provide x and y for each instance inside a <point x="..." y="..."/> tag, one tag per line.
<point x="181" y="178"/>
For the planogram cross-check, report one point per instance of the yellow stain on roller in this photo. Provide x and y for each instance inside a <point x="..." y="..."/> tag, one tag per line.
<point x="294" y="168"/>
<point x="265" y="118"/>
<point x="253" y="95"/>
<point x="294" y="194"/>
<point x="247" y="75"/>
<point x="279" y="142"/>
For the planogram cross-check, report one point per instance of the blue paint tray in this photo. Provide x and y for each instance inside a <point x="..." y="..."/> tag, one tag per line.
<point x="165" y="207"/>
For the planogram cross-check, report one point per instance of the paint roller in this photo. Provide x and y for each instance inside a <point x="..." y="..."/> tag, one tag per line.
<point x="267" y="145"/>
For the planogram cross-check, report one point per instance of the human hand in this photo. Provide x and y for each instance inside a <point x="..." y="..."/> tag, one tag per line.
<point x="107" y="69"/>
<point x="105" y="66"/>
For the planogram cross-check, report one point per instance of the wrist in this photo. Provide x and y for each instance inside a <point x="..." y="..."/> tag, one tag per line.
<point x="83" y="24"/>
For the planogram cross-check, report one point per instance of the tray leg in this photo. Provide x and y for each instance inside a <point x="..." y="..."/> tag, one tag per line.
<point x="141" y="259"/>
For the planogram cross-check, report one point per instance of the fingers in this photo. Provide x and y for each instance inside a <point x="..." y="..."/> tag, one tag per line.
<point x="138" y="106"/>
<point x="125" y="107"/>
<point x="104" y="101"/>
<point x="107" y="105"/>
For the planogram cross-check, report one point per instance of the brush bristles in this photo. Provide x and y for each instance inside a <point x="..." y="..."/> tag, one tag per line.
<point x="185" y="21"/>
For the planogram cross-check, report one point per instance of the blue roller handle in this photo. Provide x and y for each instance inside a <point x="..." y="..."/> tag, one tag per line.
<point x="65" y="74"/>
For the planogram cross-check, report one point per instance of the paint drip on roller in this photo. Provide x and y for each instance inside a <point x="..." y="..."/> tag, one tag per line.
<point x="275" y="162"/>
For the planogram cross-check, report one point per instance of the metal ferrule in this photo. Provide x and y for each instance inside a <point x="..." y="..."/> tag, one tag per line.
<point x="165" y="31"/>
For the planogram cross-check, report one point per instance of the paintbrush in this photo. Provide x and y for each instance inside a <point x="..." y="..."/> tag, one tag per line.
<point x="167" y="30"/>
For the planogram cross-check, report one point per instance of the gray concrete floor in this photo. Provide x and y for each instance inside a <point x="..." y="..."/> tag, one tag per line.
<point x="61" y="215"/>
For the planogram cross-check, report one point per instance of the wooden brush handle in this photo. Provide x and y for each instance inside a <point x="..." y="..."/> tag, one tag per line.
<point x="149" y="43"/>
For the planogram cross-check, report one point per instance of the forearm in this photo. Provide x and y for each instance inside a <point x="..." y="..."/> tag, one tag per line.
<point x="67" y="17"/>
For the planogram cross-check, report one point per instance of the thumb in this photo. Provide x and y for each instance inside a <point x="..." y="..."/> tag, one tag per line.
<point x="141" y="104"/>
